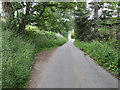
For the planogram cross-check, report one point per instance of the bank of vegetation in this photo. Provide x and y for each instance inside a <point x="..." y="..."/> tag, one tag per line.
<point x="19" y="52"/>
<point x="103" y="53"/>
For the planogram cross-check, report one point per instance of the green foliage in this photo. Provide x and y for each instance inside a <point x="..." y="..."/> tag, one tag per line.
<point x="18" y="54"/>
<point x="0" y="55"/>
<point x="64" y="33"/>
<point x="48" y="16"/>
<point x="103" y="30"/>
<point x="29" y="27"/>
<point x="73" y="35"/>
<point x="103" y="53"/>
<point x="82" y="23"/>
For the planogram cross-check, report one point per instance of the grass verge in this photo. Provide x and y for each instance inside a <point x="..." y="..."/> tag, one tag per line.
<point x="19" y="51"/>
<point x="104" y="54"/>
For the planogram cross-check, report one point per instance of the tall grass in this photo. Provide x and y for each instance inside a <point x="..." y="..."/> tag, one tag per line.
<point x="0" y="55"/>
<point x="104" y="54"/>
<point x="19" y="51"/>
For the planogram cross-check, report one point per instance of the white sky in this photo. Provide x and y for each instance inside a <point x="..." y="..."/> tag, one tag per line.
<point x="89" y="1"/>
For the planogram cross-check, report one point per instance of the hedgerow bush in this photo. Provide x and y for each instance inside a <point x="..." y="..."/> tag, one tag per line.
<point x="102" y="52"/>
<point x="18" y="54"/>
<point x="44" y="39"/>
<point x="64" y="33"/>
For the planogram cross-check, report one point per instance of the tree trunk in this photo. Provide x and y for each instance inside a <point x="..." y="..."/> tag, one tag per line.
<point x="96" y="35"/>
<point x="25" y="19"/>
<point x="9" y="13"/>
<point x="22" y="25"/>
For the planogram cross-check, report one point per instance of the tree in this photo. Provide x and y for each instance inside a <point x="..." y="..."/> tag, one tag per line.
<point x="82" y="23"/>
<point x="8" y="12"/>
<point x="95" y="7"/>
<point x="46" y="15"/>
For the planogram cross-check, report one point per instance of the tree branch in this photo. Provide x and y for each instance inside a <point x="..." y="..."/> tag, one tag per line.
<point x="41" y="13"/>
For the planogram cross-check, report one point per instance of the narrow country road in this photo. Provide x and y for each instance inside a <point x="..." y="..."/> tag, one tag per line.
<point x="68" y="67"/>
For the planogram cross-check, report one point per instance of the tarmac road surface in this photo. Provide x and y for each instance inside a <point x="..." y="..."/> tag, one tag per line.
<point x="68" y="67"/>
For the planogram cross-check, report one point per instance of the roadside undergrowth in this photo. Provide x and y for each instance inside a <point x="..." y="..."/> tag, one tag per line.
<point x="103" y="53"/>
<point x="19" y="52"/>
